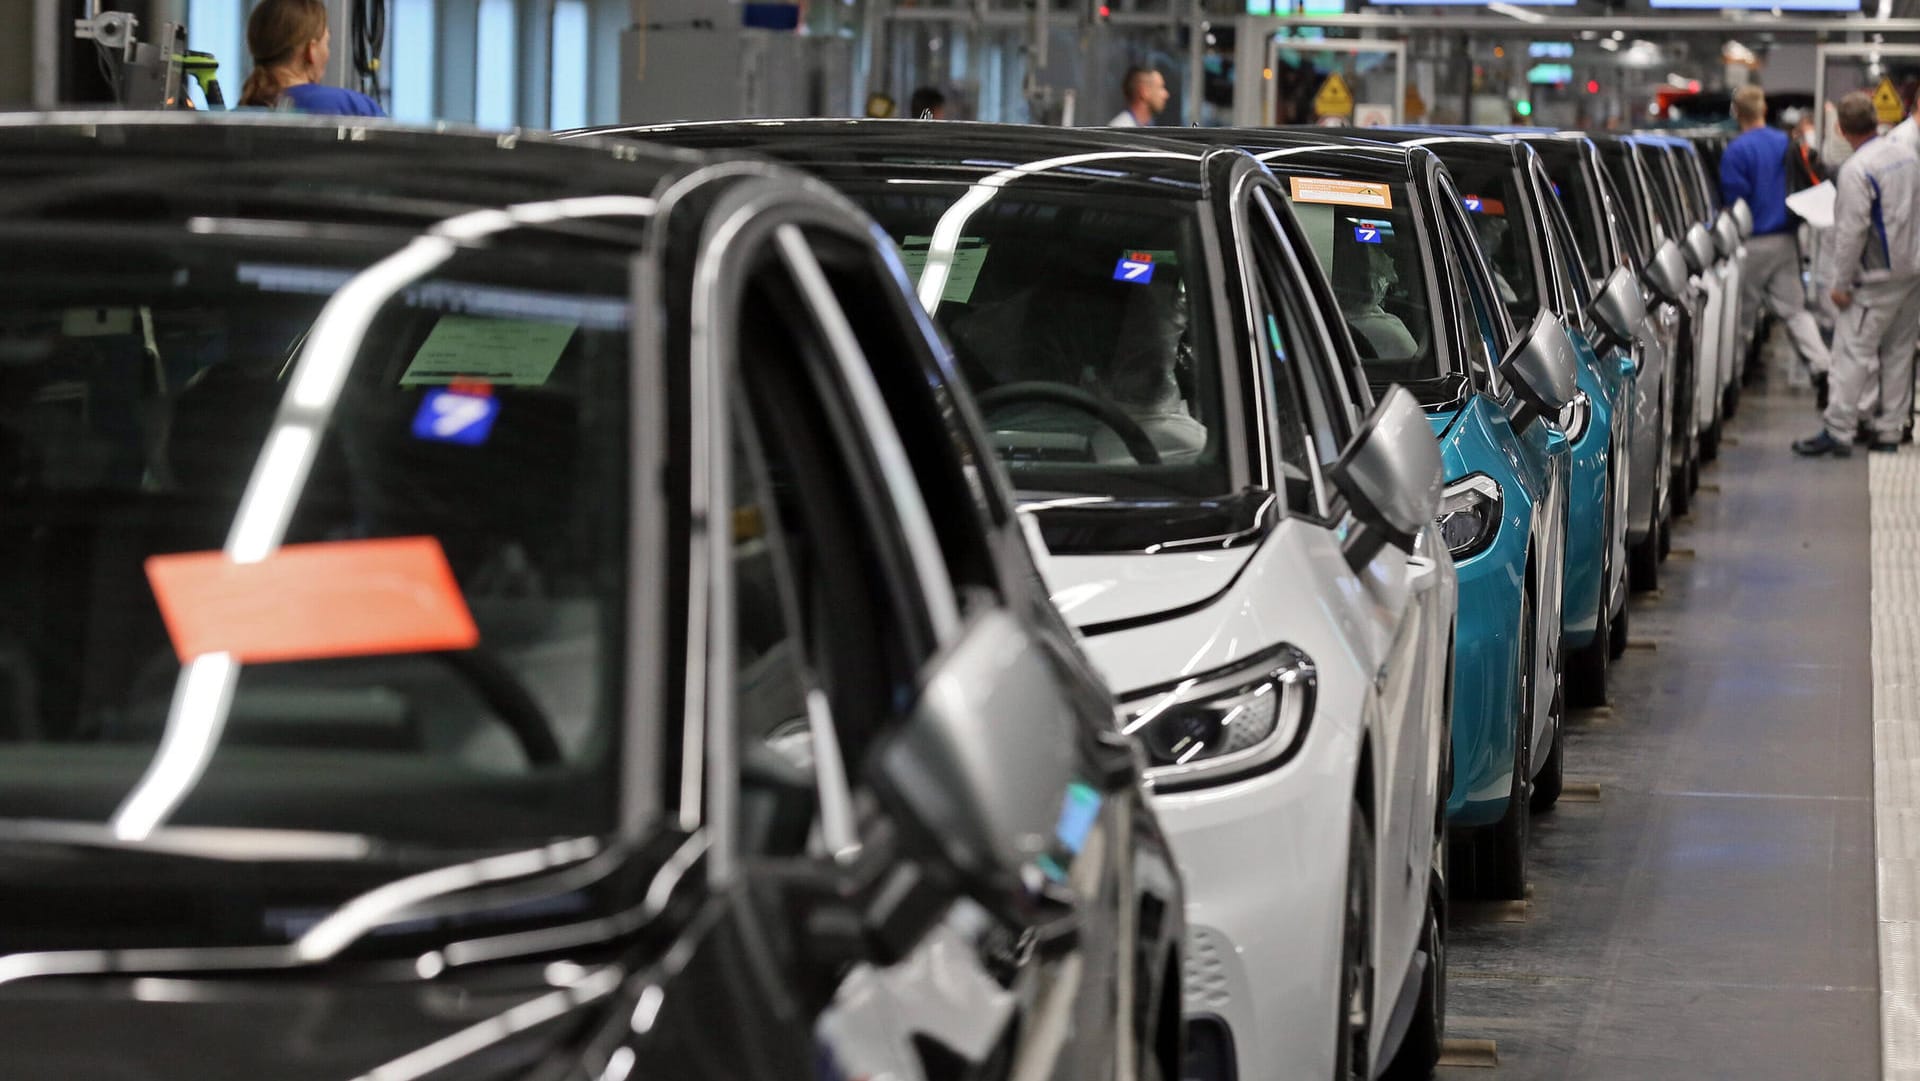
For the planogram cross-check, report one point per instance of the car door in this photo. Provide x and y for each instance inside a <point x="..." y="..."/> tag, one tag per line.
<point x="844" y="630"/>
<point x="1544" y="460"/>
<point x="1400" y="596"/>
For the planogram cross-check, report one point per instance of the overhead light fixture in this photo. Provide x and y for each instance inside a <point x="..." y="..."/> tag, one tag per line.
<point x="1499" y="7"/>
<point x="1619" y="35"/>
<point x="1610" y="45"/>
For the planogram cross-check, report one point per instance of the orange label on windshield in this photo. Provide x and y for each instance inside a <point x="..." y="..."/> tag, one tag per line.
<point x="310" y="601"/>
<point x="1316" y="189"/>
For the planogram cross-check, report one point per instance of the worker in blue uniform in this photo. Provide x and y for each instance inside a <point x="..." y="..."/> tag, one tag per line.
<point x="1754" y="168"/>
<point x="291" y="43"/>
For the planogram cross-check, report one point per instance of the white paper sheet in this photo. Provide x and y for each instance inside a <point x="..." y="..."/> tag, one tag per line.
<point x="1814" y="205"/>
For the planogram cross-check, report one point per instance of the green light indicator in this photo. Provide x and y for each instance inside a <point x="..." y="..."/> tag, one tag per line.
<point x="1524" y="108"/>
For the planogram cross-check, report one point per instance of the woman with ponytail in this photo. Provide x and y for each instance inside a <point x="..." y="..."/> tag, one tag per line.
<point x="290" y="43"/>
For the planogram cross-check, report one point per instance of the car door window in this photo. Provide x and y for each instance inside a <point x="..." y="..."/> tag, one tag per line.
<point x="830" y="627"/>
<point x="1493" y="331"/>
<point x="1298" y="432"/>
<point x="1570" y="278"/>
<point x="1330" y="408"/>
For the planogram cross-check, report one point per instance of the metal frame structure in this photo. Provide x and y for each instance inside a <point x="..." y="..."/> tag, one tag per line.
<point x="1253" y="103"/>
<point x="1824" y="50"/>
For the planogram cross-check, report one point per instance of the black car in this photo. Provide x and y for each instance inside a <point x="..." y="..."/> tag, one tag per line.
<point x="477" y="607"/>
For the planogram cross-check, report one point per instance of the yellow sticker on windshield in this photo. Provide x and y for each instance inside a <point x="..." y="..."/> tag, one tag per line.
<point x="1317" y="189"/>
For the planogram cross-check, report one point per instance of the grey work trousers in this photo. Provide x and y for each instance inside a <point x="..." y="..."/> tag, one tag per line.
<point x="1772" y="273"/>
<point x="1873" y="344"/>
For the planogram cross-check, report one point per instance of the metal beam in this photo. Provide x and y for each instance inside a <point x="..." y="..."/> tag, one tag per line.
<point x="1729" y="24"/>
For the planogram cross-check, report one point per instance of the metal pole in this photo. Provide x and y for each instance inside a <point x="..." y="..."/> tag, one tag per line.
<point x="1399" y="82"/>
<point x="1196" y="62"/>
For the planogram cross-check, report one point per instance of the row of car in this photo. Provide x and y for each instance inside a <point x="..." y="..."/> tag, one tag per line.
<point x="841" y="598"/>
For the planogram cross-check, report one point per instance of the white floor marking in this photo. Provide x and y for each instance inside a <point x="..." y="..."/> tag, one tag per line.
<point x="1894" y="484"/>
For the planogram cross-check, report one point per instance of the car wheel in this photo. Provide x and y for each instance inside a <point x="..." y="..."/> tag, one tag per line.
<point x="1495" y="857"/>
<point x="1553" y="772"/>
<point x="1419" y="1051"/>
<point x="1643" y="563"/>
<point x="1730" y="400"/>
<point x="1586" y="667"/>
<point x="1617" y="640"/>
<point x="1354" y="1014"/>
<point x="1666" y="539"/>
<point x="1709" y="445"/>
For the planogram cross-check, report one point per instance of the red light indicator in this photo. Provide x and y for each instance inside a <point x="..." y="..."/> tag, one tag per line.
<point x="1593" y="86"/>
<point x="1105" y="11"/>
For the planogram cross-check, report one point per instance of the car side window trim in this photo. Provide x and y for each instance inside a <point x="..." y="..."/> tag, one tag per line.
<point x="1355" y="398"/>
<point x="937" y="597"/>
<point x="1476" y="279"/>
<point x="1260" y="306"/>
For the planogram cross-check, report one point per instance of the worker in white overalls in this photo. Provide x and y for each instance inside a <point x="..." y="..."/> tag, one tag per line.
<point x="1873" y="261"/>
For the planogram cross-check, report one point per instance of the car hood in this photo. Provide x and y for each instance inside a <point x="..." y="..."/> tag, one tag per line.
<point x="1096" y="591"/>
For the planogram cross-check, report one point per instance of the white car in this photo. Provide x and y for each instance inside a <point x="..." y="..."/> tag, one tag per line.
<point x="1286" y="673"/>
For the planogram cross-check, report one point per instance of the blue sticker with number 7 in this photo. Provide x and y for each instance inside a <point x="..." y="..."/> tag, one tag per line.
<point x="1135" y="267"/>
<point x="450" y="417"/>
<point x="1366" y="234"/>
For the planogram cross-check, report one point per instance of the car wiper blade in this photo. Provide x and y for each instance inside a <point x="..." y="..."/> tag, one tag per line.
<point x="232" y="844"/>
<point x="335" y="933"/>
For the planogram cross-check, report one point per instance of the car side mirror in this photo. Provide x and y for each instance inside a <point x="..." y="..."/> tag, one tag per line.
<point x="982" y="779"/>
<point x="1542" y="370"/>
<point x="1743" y="218"/>
<point x="1726" y="235"/>
<point x="1619" y="309"/>
<point x="1698" y="248"/>
<point x="1667" y="273"/>
<point x="1391" y="477"/>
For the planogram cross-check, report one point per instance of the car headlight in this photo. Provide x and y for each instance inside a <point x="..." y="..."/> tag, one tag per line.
<point x="1223" y="725"/>
<point x="1469" y="515"/>
<point x="1575" y="417"/>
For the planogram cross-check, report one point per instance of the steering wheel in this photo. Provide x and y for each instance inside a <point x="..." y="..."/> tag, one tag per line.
<point x="1132" y="435"/>
<point x="508" y="699"/>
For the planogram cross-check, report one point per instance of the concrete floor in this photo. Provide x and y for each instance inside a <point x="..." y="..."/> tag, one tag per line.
<point x="1712" y="914"/>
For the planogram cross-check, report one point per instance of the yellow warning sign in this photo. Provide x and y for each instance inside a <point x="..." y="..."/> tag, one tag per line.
<point x="1320" y="189"/>
<point x="1886" y="103"/>
<point x="1334" y="99"/>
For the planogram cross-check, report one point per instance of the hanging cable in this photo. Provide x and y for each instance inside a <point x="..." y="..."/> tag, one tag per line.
<point x="369" y="39"/>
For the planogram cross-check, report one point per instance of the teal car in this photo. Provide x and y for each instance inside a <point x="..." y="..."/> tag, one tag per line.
<point x="1424" y="310"/>
<point x="1537" y="267"/>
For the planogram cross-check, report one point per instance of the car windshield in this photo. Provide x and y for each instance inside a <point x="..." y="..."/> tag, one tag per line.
<point x="1489" y="191"/>
<point x="1362" y="232"/>
<point x="430" y="661"/>
<point x="1082" y="318"/>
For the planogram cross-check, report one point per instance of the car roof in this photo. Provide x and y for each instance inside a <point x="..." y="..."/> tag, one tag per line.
<point x="1447" y="142"/>
<point x="1309" y="147"/>
<point x="118" y="164"/>
<point x="953" y="150"/>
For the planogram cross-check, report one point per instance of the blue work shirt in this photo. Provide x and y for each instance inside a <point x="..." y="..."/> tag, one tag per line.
<point x="1754" y="168"/>
<point x="330" y="101"/>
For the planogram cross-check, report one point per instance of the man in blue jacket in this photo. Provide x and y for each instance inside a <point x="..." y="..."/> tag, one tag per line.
<point x="1754" y="168"/>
